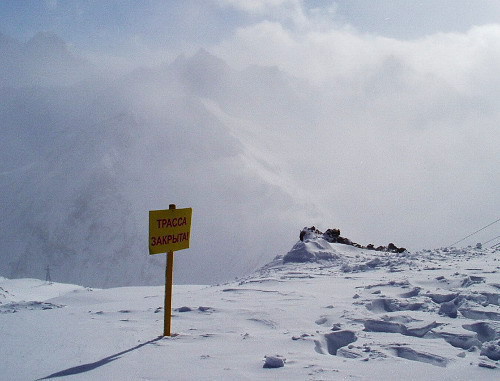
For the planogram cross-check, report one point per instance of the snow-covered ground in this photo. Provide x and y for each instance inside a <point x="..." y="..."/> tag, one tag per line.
<point x="361" y="315"/>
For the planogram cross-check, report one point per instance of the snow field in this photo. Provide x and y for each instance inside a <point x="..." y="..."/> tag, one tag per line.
<point x="328" y="320"/>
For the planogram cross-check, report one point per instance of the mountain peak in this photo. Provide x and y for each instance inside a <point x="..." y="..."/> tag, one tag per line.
<point x="47" y="40"/>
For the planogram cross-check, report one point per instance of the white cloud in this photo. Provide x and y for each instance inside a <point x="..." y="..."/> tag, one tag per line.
<point x="51" y="4"/>
<point x="320" y="55"/>
<point x="409" y="120"/>
<point x="261" y="6"/>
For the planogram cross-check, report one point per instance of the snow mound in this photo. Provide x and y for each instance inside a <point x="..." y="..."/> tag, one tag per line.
<point x="311" y="250"/>
<point x="31" y="294"/>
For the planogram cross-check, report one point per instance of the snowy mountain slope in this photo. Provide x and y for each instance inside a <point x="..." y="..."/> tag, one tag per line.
<point x="82" y="165"/>
<point x="367" y="315"/>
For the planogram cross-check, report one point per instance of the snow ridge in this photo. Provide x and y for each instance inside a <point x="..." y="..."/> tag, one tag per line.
<point x="446" y="295"/>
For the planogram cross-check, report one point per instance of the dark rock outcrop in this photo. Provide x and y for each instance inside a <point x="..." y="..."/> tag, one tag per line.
<point x="333" y="236"/>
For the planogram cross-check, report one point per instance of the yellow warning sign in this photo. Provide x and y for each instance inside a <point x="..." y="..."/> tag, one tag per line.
<point x="169" y="230"/>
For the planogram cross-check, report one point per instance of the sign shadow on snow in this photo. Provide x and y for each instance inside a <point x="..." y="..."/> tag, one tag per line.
<point x="93" y="365"/>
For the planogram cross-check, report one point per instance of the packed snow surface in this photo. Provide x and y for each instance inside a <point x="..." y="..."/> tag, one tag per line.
<point x="361" y="314"/>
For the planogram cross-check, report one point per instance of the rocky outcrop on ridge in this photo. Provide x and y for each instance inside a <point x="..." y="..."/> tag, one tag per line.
<point x="333" y="236"/>
<point x="315" y="245"/>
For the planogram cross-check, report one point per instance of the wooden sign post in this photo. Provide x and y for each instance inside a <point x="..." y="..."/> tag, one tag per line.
<point x="169" y="231"/>
<point x="169" y="291"/>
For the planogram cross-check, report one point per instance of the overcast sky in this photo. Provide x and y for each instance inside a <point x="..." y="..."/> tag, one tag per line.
<point x="384" y="116"/>
<point x="127" y="27"/>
